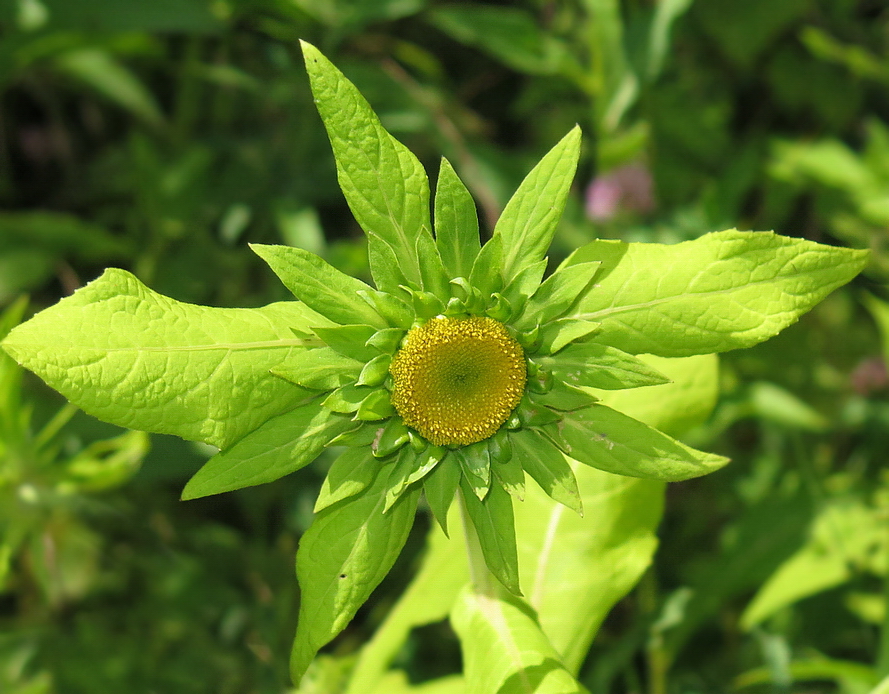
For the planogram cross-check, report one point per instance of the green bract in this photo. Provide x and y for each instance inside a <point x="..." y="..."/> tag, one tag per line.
<point x="453" y="321"/>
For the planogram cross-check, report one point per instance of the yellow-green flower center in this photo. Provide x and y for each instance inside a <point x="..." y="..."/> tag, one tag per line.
<point x="458" y="379"/>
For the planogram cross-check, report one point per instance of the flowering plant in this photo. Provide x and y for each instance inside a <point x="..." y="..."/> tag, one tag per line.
<point x="459" y="373"/>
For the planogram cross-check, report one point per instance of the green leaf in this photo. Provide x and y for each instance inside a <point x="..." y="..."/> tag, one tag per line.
<point x="456" y="223"/>
<point x="384" y="183"/>
<point x="132" y="357"/>
<point x="440" y="487"/>
<point x="347" y="399"/>
<point x="512" y="35"/>
<point x="558" y="333"/>
<point x="475" y="462"/>
<point x="282" y="445"/>
<point x="320" y="285"/>
<point x="557" y="293"/>
<point x="320" y="368"/>
<point x="410" y="468"/>
<point x="529" y="219"/>
<point x="507" y="469"/>
<point x="342" y="557"/>
<point x="547" y="465"/>
<point x="504" y="648"/>
<point x="725" y="290"/>
<point x="574" y="569"/>
<point x="112" y="80"/>
<point x="349" y="340"/>
<point x="611" y="441"/>
<point x="485" y="275"/>
<point x="349" y="475"/>
<point x="493" y="521"/>
<point x="600" y="366"/>
<point x="674" y="407"/>
<point x="429" y="598"/>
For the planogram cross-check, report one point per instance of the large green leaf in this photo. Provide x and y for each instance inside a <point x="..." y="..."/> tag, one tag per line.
<point x="614" y="442"/>
<point x="725" y="290"/>
<point x="342" y="557"/>
<point x="384" y="183"/>
<point x="573" y="568"/>
<point x="429" y="598"/>
<point x="282" y="445"/>
<point x="529" y="219"/>
<point x="504" y="649"/>
<point x="135" y="358"/>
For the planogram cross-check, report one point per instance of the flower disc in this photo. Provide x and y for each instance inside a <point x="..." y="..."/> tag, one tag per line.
<point x="457" y="380"/>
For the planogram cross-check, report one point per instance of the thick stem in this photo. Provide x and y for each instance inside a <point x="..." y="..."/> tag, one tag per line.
<point x="482" y="579"/>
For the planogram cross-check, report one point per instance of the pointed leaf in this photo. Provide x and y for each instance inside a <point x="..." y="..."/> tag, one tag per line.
<point x="547" y="465"/>
<point x="456" y="223"/>
<point x="486" y="270"/>
<point x="722" y="291"/>
<point x="349" y="475"/>
<point x="558" y="333"/>
<point x="530" y="218"/>
<point x="493" y="521"/>
<point x="282" y="445"/>
<point x="349" y="340"/>
<point x="611" y="441"/>
<point x="384" y="183"/>
<point x="429" y="598"/>
<point x="320" y="368"/>
<point x="557" y="293"/>
<point x="440" y="487"/>
<point x="321" y="286"/>
<point x="342" y="557"/>
<point x="475" y="462"/>
<point x="600" y="366"/>
<point x="132" y="357"/>
<point x="504" y="648"/>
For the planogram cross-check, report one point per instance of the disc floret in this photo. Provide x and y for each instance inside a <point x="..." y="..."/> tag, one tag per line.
<point x="457" y="380"/>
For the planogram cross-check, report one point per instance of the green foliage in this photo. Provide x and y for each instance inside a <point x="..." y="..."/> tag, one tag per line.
<point x="163" y="138"/>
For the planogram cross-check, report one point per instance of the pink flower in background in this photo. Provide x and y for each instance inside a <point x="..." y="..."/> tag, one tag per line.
<point x="626" y="188"/>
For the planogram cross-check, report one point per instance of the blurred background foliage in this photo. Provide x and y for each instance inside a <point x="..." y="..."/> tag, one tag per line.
<point x="162" y="136"/>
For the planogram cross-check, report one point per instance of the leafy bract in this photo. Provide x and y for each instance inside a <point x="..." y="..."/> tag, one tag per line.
<point x="282" y="445"/>
<point x="493" y="521"/>
<point x="320" y="285"/>
<point x="384" y="183"/>
<point x="350" y="474"/>
<point x="320" y="368"/>
<point x="456" y="223"/>
<point x="529" y="219"/>
<point x="722" y="291"/>
<point x="556" y="294"/>
<point x="614" y="442"/>
<point x="596" y="365"/>
<point x="342" y="557"/>
<point x="132" y="357"/>
<point x="504" y="648"/>
<point x="546" y="464"/>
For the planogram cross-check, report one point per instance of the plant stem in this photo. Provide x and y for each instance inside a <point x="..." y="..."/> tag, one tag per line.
<point x="483" y="581"/>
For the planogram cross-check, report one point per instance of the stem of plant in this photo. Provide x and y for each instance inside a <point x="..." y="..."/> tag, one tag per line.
<point x="482" y="579"/>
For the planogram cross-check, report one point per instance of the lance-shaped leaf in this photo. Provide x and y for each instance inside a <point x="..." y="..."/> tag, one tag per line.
<point x="282" y="445"/>
<point x="504" y="648"/>
<point x="547" y="465"/>
<point x="601" y="366"/>
<point x="529" y="219"/>
<point x="611" y="441"/>
<point x="320" y="368"/>
<point x="557" y="293"/>
<point x="725" y="290"/>
<point x="132" y="357"/>
<point x="456" y="223"/>
<point x="493" y="521"/>
<point x="321" y="286"/>
<point x="349" y="475"/>
<point x="384" y="183"/>
<point x="343" y="556"/>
